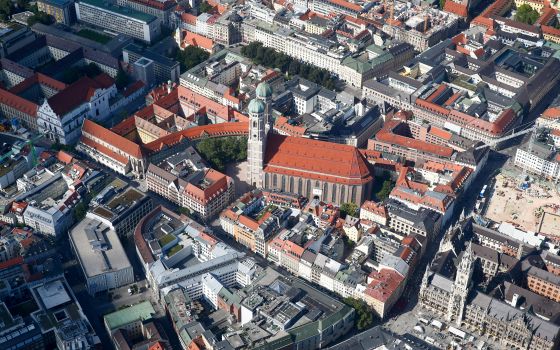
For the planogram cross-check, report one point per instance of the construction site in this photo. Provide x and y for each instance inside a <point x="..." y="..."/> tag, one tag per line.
<point x="521" y="203"/>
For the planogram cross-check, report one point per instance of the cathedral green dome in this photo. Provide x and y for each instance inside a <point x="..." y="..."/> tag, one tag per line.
<point x="264" y="90"/>
<point x="256" y="106"/>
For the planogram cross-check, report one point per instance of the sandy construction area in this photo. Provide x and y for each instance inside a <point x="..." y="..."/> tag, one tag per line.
<point x="523" y="208"/>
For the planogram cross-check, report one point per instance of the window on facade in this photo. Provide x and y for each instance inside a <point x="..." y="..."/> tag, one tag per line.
<point x="354" y="194"/>
<point x="300" y="186"/>
<point x="274" y="180"/>
<point x="308" y="188"/>
<point x="291" y="184"/>
<point x="333" y="193"/>
<point x="325" y="191"/>
<point x="342" y="193"/>
<point x="283" y="186"/>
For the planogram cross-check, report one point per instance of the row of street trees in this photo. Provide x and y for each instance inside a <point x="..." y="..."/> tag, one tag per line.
<point x="271" y="58"/>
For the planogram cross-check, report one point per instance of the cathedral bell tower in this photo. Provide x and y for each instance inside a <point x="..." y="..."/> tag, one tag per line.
<point x="259" y="126"/>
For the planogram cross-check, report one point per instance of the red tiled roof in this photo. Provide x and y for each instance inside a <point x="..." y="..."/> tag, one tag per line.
<point x="497" y="127"/>
<point x="550" y="30"/>
<point x="188" y="18"/>
<point x="78" y="93"/>
<point x="384" y="284"/>
<point x="38" y="78"/>
<point x="316" y="160"/>
<point x="376" y="208"/>
<point x="218" y="184"/>
<point x="248" y="222"/>
<point x="132" y="88"/>
<point x="551" y="113"/>
<point x="547" y="15"/>
<point x="19" y="207"/>
<point x="108" y="136"/>
<point x="64" y="157"/>
<point x="387" y="135"/>
<point x="12" y="100"/>
<point x="198" y="102"/>
<point x="292" y="249"/>
<point x="346" y="4"/>
<point x="456" y="8"/>
<point x="193" y="39"/>
<point x="160" y="5"/>
<point x="282" y="124"/>
<point x="442" y="134"/>
<point x="221" y="129"/>
<point x="156" y="346"/>
<point x="12" y="262"/>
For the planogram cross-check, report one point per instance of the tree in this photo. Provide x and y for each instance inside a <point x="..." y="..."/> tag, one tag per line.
<point x="364" y="314"/>
<point x="6" y="9"/>
<point x="72" y="74"/>
<point x="80" y="211"/>
<point x="441" y="4"/>
<point x="205" y="7"/>
<point x="526" y="14"/>
<point x="382" y="186"/>
<point x="348" y="208"/>
<point x="40" y="17"/>
<point x="293" y="68"/>
<point x="122" y="79"/>
<point x="221" y="151"/>
<point x="191" y="56"/>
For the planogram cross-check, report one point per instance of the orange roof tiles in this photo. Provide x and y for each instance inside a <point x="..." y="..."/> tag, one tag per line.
<point x="108" y="136"/>
<point x="376" y="208"/>
<point x="431" y="106"/>
<point x="316" y="160"/>
<point x="281" y="123"/>
<point x="292" y="249"/>
<point x="550" y="30"/>
<point x="456" y="8"/>
<point x="346" y="4"/>
<point x="384" y="284"/>
<point x="106" y="151"/>
<point x="551" y="113"/>
<point x="221" y="129"/>
<point x="193" y="39"/>
<point x="12" y="262"/>
<point x="12" y="100"/>
<point x="188" y="18"/>
<point x="64" y="157"/>
<point x="442" y="134"/>
<point x="547" y="15"/>
<point x="38" y="78"/>
<point x="387" y="135"/>
<point x="248" y="222"/>
<point x="218" y="184"/>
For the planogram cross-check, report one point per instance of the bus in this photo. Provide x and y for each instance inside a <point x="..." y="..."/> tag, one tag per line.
<point x="482" y="192"/>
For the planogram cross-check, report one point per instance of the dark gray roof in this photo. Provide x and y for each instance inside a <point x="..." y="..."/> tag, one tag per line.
<point x="540" y="305"/>
<point x="378" y="337"/>
<point x="154" y="56"/>
<point x="423" y="219"/>
<point x="544" y="275"/>
<point x="485" y="253"/>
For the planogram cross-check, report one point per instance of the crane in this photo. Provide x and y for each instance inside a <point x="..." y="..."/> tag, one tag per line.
<point x="32" y="150"/>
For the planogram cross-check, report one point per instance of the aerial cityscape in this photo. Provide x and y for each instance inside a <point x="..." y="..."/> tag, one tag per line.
<point x="279" y="174"/>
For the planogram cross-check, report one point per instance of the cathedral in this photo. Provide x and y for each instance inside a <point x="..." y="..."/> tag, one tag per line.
<point x="332" y="172"/>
